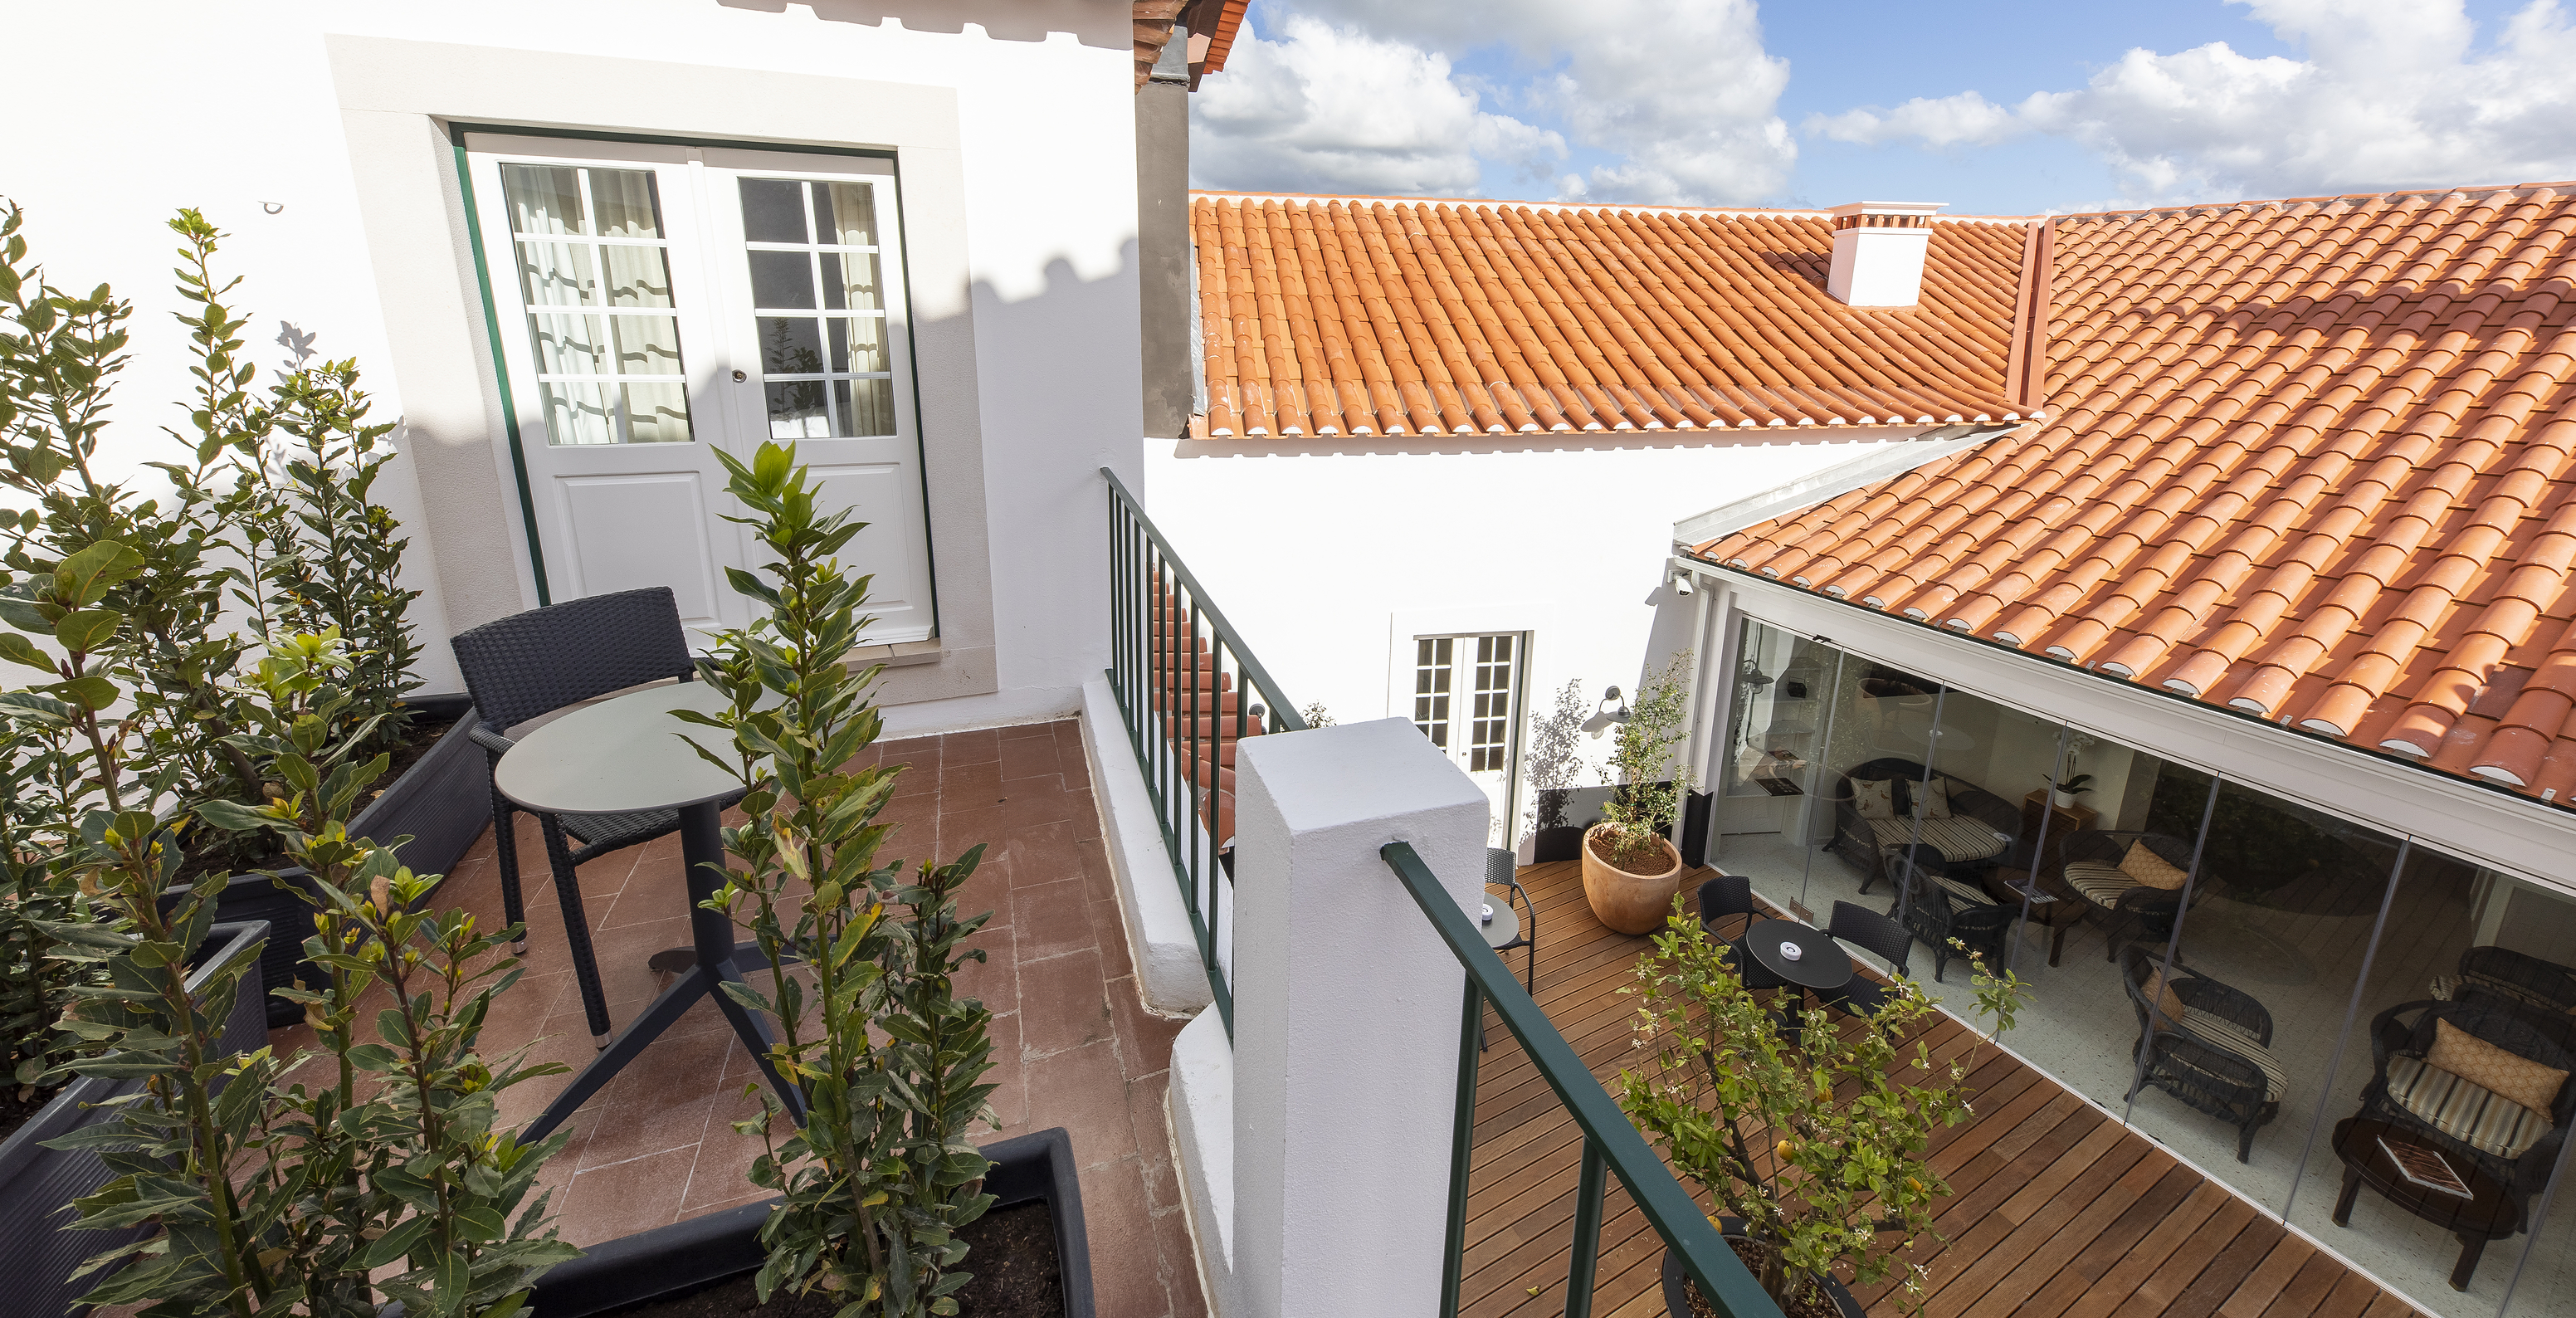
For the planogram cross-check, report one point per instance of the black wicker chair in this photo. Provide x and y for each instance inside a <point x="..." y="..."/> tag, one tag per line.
<point x="1502" y="871"/>
<point x="2217" y="1057"/>
<point x="1726" y="897"/>
<point x="1873" y="933"/>
<point x="2516" y="977"/>
<point x="2404" y="1033"/>
<point x="2091" y="868"/>
<point x="1974" y="839"/>
<point x="1940" y="907"/>
<point x="531" y="664"/>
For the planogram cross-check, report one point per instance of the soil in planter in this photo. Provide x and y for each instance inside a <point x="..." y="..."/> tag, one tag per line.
<point x="1649" y="859"/>
<point x="16" y="1111"/>
<point x="209" y="852"/>
<point x="1011" y="1254"/>
<point x="1814" y="1304"/>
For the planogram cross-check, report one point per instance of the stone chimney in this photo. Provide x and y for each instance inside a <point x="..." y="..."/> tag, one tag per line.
<point x="1878" y="252"/>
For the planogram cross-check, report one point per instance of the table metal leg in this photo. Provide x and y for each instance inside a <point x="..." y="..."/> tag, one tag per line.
<point x="702" y="850"/>
<point x="2471" y="1248"/>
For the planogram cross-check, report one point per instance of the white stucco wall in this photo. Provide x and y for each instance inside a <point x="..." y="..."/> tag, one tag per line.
<point x="1331" y="562"/>
<point x="1028" y="146"/>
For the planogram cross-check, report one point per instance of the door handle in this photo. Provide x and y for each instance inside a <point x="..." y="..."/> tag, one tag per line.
<point x="739" y="377"/>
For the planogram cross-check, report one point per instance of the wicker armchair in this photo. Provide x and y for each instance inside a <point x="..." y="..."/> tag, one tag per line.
<point x="1727" y="897"/>
<point x="2460" y="1124"/>
<point x="2091" y="867"/>
<point x="534" y="663"/>
<point x="1938" y="908"/>
<point x="2515" y="977"/>
<point x="2217" y="1057"/>
<point x="1980" y="828"/>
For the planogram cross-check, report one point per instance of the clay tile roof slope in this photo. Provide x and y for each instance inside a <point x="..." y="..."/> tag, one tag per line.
<point x="1361" y="316"/>
<point x="2308" y="460"/>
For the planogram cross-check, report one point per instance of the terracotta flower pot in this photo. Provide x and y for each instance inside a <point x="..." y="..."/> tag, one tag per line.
<point x="1629" y="903"/>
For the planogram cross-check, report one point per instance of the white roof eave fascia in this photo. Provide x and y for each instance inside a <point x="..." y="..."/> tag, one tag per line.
<point x="1876" y="463"/>
<point x="2485" y="823"/>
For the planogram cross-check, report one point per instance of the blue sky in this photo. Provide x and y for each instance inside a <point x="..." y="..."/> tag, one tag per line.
<point x="1721" y="102"/>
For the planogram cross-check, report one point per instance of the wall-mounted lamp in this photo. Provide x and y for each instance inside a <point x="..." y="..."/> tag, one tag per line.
<point x="1682" y="583"/>
<point x="1602" y="720"/>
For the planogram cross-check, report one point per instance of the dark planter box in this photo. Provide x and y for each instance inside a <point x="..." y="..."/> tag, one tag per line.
<point x="1677" y="1299"/>
<point x="443" y="802"/>
<point x="671" y="1261"/>
<point x="37" y="1184"/>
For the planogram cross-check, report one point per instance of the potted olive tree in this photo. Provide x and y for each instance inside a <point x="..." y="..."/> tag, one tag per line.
<point x="1815" y="1152"/>
<point x="1555" y="755"/>
<point x="1630" y="869"/>
<point x="883" y="1201"/>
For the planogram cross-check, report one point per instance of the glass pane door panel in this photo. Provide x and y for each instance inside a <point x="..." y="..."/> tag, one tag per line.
<point x="592" y="237"/>
<point x="811" y="254"/>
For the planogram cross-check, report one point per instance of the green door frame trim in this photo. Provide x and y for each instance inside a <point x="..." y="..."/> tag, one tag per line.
<point x="456" y="131"/>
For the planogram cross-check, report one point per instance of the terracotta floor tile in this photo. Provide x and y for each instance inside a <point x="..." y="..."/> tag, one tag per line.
<point x="721" y="1173"/>
<point x="1109" y="930"/>
<point x="1050" y="919"/>
<point x="1144" y="1039"/>
<point x="995" y="979"/>
<point x="1021" y="731"/>
<point x="982" y="746"/>
<point x="980" y="780"/>
<point x="1030" y="757"/>
<point x="622" y="1135"/>
<point x="1084" y="1092"/>
<point x="1009" y="1076"/>
<point x="624" y="1198"/>
<point x="1126" y="1258"/>
<point x="1064" y="1004"/>
<point x="1180" y="1264"/>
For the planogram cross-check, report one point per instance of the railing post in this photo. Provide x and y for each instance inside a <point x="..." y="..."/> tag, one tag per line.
<point x="1586" y="1263"/>
<point x="1347" y="1003"/>
<point x="1462" y="1147"/>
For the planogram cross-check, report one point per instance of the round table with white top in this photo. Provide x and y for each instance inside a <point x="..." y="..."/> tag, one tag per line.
<point x="627" y="754"/>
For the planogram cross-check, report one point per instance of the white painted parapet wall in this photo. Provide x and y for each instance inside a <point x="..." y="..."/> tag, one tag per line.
<point x="1345" y="1021"/>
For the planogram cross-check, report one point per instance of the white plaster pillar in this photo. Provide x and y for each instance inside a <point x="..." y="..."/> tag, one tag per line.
<point x="1345" y="1019"/>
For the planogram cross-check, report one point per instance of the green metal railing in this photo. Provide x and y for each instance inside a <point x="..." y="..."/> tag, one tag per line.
<point x="1189" y="691"/>
<point x="1610" y="1142"/>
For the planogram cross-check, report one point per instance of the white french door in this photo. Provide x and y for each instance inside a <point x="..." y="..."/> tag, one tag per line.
<point x="659" y="304"/>
<point x="1467" y="700"/>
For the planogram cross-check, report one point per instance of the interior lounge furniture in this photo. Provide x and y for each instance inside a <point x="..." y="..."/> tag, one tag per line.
<point x="2469" y="1121"/>
<point x="2100" y="870"/>
<point x="2046" y="899"/>
<point x="1877" y="935"/>
<point x="531" y="664"/>
<point x="2203" y="1042"/>
<point x="1971" y="836"/>
<point x="1950" y="912"/>
<point x="2513" y="976"/>
<point x="2367" y="1148"/>
<point x="1729" y="897"/>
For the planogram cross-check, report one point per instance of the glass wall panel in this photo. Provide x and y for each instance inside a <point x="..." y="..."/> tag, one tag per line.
<point x="1789" y="712"/>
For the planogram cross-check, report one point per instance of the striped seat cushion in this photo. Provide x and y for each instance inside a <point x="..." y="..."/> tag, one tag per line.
<point x="2474" y="1116"/>
<point x="1955" y="838"/>
<point x="2098" y="883"/>
<point x="2219" y="1032"/>
<point x="1962" y="893"/>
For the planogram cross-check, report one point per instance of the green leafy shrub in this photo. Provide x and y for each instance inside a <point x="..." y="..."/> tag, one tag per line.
<point x="1644" y="766"/>
<point x="888" y="1058"/>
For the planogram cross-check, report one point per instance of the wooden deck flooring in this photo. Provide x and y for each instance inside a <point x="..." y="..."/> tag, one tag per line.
<point x="2057" y="1211"/>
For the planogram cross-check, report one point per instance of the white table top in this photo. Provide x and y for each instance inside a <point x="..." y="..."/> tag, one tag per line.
<point x="621" y="754"/>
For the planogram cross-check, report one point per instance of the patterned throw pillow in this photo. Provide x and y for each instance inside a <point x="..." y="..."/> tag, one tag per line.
<point x="2507" y="1075"/>
<point x="2150" y="869"/>
<point x="1934" y="797"/>
<point x="2166" y="1000"/>
<point x="1874" y="800"/>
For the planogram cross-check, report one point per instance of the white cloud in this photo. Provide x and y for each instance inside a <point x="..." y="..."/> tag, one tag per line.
<point x="2393" y="93"/>
<point x="1330" y="109"/>
<point x="1967" y="119"/>
<point x="1683" y="97"/>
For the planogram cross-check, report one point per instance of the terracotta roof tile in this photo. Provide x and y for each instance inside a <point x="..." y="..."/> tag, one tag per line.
<point x="1361" y="317"/>
<point x="2308" y="460"/>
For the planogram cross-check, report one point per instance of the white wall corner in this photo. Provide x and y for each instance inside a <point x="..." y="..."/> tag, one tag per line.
<point x="1159" y="935"/>
<point x="1346" y="1019"/>
<point x="1200" y="1107"/>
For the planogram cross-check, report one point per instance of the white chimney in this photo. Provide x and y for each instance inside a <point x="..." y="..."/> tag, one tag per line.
<point x="1878" y="252"/>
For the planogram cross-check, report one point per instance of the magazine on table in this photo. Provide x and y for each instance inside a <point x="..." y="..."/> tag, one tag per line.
<point x="2424" y="1167"/>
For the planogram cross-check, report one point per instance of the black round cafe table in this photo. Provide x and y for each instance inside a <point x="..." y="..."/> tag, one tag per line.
<point x="1820" y="964"/>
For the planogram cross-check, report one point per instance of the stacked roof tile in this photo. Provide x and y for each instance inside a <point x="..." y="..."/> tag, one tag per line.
<point x="2307" y="460"/>
<point x="1361" y="317"/>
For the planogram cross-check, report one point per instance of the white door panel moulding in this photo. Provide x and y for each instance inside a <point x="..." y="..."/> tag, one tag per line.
<point x="2482" y="823"/>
